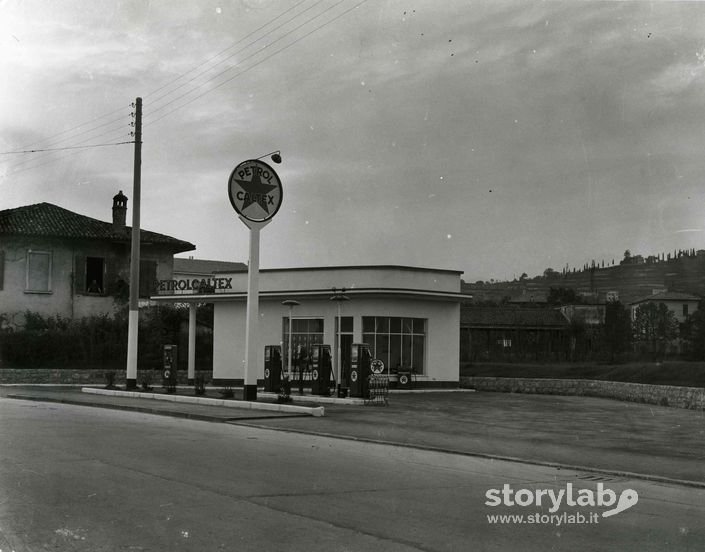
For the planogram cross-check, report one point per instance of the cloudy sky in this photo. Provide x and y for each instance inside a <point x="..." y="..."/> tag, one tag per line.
<point x="490" y="137"/>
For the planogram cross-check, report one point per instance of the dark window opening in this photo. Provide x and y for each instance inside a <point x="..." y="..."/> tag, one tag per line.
<point x="95" y="275"/>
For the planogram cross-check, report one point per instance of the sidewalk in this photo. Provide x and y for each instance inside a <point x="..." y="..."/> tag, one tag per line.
<point x="603" y="435"/>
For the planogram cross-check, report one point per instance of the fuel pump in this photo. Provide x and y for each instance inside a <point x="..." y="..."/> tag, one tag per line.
<point x="169" y="366"/>
<point x="320" y="369"/>
<point x="359" y="369"/>
<point x="272" y="368"/>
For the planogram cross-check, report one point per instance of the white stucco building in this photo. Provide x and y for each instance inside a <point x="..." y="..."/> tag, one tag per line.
<point x="410" y="317"/>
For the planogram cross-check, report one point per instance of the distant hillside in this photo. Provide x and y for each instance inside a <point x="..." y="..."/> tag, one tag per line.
<point x="631" y="281"/>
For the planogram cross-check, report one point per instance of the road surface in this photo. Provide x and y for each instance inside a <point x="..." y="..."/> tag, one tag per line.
<point x="85" y="479"/>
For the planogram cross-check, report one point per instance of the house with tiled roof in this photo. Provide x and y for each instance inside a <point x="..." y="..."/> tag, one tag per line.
<point x="54" y="261"/>
<point x="680" y="304"/>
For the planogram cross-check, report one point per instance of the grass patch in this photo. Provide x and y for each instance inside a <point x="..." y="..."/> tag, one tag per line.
<point x="678" y="373"/>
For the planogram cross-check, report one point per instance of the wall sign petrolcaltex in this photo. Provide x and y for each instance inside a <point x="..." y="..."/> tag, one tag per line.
<point x="255" y="190"/>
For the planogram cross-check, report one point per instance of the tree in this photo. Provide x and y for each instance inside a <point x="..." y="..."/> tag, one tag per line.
<point x="654" y="325"/>
<point x="563" y="296"/>
<point x="694" y="332"/>
<point x="617" y="328"/>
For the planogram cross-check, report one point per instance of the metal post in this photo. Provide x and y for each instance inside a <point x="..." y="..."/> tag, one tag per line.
<point x="288" y="356"/>
<point x="338" y="297"/>
<point x="191" y="342"/>
<point x="291" y="304"/>
<point x="250" y="384"/>
<point x="133" y="319"/>
<point x="337" y="353"/>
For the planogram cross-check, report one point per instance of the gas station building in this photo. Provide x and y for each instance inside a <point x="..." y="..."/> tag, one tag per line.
<point x="408" y="316"/>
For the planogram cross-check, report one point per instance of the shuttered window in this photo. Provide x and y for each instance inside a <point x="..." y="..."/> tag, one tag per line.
<point x="38" y="271"/>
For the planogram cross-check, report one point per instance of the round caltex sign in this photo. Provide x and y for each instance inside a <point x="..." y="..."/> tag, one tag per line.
<point x="353" y="375"/>
<point x="266" y="372"/>
<point x="255" y="190"/>
<point x="377" y="366"/>
<point x="315" y="374"/>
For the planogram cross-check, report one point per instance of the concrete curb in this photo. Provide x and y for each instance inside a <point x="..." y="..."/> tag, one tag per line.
<point x="285" y="408"/>
<point x="315" y="398"/>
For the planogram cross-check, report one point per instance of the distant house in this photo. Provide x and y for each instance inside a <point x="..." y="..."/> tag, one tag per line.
<point x="57" y="262"/>
<point x="510" y="333"/>
<point x="680" y="304"/>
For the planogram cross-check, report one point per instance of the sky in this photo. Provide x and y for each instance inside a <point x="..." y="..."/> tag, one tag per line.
<point x="492" y="137"/>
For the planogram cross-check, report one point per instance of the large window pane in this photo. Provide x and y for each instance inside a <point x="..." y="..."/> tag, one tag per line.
<point x="418" y="354"/>
<point x="304" y="335"/>
<point x="406" y="358"/>
<point x="369" y="338"/>
<point x="398" y="342"/>
<point x="419" y="326"/>
<point x="382" y="348"/>
<point x="395" y="352"/>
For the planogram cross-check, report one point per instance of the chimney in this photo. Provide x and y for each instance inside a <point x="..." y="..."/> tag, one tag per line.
<point x="119" y="210"/>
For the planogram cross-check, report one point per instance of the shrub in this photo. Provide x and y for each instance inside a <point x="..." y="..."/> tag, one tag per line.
<point x="110" y="380"/>
<point x="200" y="384"/>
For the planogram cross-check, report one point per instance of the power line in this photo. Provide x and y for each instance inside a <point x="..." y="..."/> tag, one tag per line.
<point x="237" y="52"/>
<point x="194" y="68"/>
<point x="53" y="139"/>
<point x="108" y="114"/>
<point x="33" y="162"/>
<point x="75" y="128"/>
<point x="259" y="62"/>
<point x="80" y="145"/>
<point x="66" y="148"/>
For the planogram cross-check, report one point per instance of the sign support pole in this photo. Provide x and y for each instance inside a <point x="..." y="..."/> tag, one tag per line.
<point x="252" y="320"/>
<point x="255" y="193"/>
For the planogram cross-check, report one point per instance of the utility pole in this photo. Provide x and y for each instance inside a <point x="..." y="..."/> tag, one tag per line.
<point x="133" y="321"/>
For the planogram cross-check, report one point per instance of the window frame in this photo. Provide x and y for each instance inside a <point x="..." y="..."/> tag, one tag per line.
<point x="50" y="257"/>
<point x="393" y="342"/>
<point x="101" y="283"/>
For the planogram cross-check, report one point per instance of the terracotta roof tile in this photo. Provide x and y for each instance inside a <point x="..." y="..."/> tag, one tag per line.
<point x="49" y="220"/>
<point x="667" y="296"/>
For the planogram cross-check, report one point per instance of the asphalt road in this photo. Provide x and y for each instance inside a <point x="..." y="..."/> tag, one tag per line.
<point x="87" y="479"/>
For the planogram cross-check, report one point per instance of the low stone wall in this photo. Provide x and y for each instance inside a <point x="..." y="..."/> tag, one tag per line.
<point x="664" y="395"/>
<point x="84" y="377"/>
